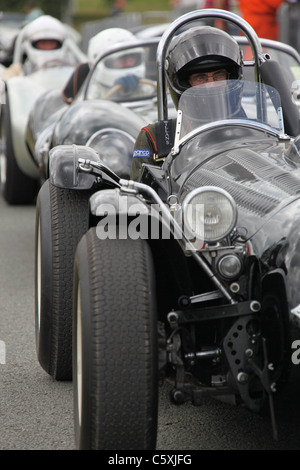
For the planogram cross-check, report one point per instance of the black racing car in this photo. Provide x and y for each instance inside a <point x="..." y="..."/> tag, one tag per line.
<point x="190" y="275"/>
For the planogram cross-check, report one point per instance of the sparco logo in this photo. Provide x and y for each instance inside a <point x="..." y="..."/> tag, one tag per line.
<point x="142" y="153"/>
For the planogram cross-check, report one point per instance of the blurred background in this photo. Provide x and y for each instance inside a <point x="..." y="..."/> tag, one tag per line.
<point x="91" y="16"/>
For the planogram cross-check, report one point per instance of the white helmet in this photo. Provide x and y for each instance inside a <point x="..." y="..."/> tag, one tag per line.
<point x="107" y="38"/>
<point x="111" y="68"/>
<point x="44" y="28"/>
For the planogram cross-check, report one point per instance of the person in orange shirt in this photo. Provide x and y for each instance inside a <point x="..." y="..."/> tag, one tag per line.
<point x="223" y="5"/>
<point x="262" y="16"/>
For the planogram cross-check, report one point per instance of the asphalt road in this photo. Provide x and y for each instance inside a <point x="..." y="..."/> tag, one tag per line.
<point x="37" y="412"/>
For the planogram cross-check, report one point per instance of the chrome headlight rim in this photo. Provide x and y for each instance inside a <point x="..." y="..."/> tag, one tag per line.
<point x="122" y="143"/>
<point x="198" y="192"/>
<point x="107" y="131"/>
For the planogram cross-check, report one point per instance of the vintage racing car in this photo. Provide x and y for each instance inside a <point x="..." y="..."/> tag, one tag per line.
<point x="19" y="172"/>
<point x="190" y="274"/>
<point x="58" y="115"/>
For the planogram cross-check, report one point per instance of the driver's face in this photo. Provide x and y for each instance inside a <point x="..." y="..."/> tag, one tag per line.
<point x="208" y="78"/>
<point x="47" y="44"/>
<point x="123" y="62"/>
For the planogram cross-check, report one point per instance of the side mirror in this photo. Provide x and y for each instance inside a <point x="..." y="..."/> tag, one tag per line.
<point x="63" y="166"/>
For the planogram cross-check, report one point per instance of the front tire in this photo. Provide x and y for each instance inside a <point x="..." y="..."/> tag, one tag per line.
<point x="62" y="217"/>
<point x="114" y="345"/>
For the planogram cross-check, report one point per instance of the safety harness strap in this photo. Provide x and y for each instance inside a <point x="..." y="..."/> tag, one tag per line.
<point x="165" y="134"/>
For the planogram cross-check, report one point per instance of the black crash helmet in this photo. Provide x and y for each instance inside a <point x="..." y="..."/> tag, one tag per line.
<point x="201" y="49"/>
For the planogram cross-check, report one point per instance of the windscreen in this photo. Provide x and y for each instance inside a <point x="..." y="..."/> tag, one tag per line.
<point x="126" y="75"/>
<point x="228" y="100"/>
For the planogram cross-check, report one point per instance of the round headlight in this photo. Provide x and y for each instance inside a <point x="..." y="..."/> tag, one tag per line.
<point x="209" y="213"/>
<point x="115" y="148"/>
<point x="229" y="266"/>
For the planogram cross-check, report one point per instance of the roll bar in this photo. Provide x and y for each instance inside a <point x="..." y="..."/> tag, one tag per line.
<point x="212" y="13"/>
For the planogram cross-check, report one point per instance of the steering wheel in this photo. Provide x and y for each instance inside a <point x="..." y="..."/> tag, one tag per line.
<point x="142" y="81"/>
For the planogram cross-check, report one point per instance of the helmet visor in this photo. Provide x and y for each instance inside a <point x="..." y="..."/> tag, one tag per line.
<point x="210" y="102"/>
<point x="124" y="61"/>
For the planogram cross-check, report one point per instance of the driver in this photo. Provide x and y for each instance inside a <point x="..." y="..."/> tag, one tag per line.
<point x="200" y="56"/>
<point x="43" y="40"/>
<point x="97" y="45"/>
<point x="118" y="75"/>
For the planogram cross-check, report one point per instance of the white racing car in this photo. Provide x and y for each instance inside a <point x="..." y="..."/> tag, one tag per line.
<point x="19" y="173"/>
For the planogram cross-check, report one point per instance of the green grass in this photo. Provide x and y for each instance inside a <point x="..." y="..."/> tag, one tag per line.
<point x="89" y="10"/>
<point x="103" y="6"/>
